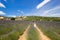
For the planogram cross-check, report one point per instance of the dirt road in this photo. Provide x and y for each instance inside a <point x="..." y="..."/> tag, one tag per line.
<point x="41" y="34"/>
<point x="23" y="37"/>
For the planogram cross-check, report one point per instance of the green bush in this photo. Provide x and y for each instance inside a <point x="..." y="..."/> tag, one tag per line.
<point x="12" y="18"/>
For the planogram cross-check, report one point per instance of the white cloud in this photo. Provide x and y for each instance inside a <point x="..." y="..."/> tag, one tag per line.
<point x="2" y="5"/>
<point x="58" y="15"/>
<point x="42" y="3"/>
<point x="5" y="0"/>
<point x="50" y="11"/>
<point x="20" y="11"/>
<point x="2" y="13"/>
<point x="31" y="14"/>
<point x="11" y="15"/>
<point x="54" y="15"/>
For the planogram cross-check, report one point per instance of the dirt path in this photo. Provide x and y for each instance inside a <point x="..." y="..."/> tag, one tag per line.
<point x="23" y="37"/>
<point x="42" y="36"/>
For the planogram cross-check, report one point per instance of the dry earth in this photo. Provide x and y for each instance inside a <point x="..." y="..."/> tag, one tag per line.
<point x="23" y="37"/>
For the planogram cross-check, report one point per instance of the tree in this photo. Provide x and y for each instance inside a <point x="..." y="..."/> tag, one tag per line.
<point x="12" y="18"/>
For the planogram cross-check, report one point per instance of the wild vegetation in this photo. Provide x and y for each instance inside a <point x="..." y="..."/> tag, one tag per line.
<point x="38" y="18"/>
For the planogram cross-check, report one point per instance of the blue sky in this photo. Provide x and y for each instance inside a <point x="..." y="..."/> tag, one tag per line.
<point x="30" y="7"/>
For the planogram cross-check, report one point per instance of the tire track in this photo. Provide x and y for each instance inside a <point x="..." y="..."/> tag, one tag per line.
<point x="41" y="34"/>
<point x="23" y="37"/>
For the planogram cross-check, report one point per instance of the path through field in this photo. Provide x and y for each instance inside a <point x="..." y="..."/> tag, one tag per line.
<point x="23" y="37"/>
<point x="41" y="34"/>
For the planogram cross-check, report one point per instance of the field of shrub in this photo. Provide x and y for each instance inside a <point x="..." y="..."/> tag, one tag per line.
<point x="11" y="30"/>
<point x="38" y="18"/>
<point x="51" y="29"/>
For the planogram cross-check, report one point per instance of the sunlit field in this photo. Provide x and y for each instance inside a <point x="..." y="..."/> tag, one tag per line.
<point x="25" y="29"/>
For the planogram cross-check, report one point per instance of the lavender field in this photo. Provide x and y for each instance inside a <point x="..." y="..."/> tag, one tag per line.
<point x="51" y="29"/>
<point x="13" y="29"/>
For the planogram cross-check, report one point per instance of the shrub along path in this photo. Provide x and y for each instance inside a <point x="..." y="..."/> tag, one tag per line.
<point x="41" y="34"/>
<point x="23" y="37"/>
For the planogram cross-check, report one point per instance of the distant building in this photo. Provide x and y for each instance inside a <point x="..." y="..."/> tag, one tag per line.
<point x="24" y="17"/>
<point x="20" y="18"/>
<point x="1" y="17"/>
